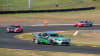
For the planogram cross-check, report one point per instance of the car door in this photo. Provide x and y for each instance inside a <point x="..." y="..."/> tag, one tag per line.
<point x="44" y="38"/>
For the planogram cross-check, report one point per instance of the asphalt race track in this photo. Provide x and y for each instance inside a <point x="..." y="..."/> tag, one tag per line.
<point x="7" y="40"/>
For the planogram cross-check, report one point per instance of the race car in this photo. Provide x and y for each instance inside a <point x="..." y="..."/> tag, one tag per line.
<point x="14" y="28"/>
<point x="83" y="24"/>
<point x="51" y="38"/>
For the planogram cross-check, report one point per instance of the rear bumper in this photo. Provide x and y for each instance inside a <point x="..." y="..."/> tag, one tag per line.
<point x="65" y="43"/>
<point x="11" y="31"/>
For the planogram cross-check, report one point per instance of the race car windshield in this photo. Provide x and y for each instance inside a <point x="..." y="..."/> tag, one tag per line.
<point x="81" y="21"/>
<point x="54" y="35"/>
<point x="15" y="26"/>
<point x="86" y="22"/>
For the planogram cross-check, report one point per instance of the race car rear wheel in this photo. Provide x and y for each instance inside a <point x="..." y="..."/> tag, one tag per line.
<point x="36" y="41"/>
<point x="90" y="25"/>
<point x="21" y="31"/>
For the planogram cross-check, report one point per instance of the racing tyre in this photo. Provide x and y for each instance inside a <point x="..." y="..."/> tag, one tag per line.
<point x="21" y="31"/>
<point x="68" y="44"/>
<point x="82" y="25"/>
<point x="36" y="41"/>
<point x="90" y="25"/>
<point x="52" y="43"/>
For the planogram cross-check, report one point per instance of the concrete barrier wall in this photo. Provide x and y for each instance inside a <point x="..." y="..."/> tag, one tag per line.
<point x="52" y="10"/>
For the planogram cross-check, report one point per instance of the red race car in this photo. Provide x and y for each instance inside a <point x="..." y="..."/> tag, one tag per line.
<point x="83" y="24"/>
<point x="14" y="28"/>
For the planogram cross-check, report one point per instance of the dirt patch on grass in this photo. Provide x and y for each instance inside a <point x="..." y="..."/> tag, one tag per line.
<point x="19" y="20"/>
<point x="58" y="17"/>
<point x="87" y="39"/>
<point x="21" y="52"/>
<point x="91" y="37"/>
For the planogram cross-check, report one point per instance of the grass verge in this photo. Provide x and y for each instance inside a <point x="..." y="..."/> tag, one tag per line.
<point x="45" y="4"/>
<point x="21" y="52"/>
<point x="54" y="17"/>
<point x="82" y="39"/>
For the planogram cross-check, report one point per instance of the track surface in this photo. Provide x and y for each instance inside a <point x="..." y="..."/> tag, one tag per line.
<point x="8" y="41"/>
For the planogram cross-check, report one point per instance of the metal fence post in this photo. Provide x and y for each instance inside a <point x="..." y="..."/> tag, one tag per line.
<point x="29" y="3"/>
<point x="7" y="3"/>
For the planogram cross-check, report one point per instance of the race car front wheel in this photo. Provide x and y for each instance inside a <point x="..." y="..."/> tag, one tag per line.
<point x="52" y="43"/>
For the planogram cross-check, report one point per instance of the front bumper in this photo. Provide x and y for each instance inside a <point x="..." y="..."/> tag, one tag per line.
<point x="62" y="43"/>
<point x="65" y="43"/>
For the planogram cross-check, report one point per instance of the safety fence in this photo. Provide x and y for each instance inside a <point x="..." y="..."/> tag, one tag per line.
<point x="53" y="10"/>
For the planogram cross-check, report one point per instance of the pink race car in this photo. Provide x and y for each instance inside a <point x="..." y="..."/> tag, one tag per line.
<point x="83" y="24"/>
<point x="14" y="28"/>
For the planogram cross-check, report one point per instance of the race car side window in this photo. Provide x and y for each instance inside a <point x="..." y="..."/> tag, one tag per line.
<point x="86" y="22"/>
<point x="81" y="21"/>
<point x="45" y="34"/>
<point x="54" y="35"/>
<point x="21" y="26"/>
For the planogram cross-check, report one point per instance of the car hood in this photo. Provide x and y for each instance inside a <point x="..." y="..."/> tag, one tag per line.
<point x="61" y="38"/>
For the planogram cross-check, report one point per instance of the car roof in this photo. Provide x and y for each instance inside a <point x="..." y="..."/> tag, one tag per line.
<point x="15" y="25"/>
<point x="83" y="20"/>
<point x="50" y="32"/>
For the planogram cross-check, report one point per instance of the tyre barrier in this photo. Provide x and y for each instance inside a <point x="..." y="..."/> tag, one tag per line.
<point x="52" y="10"/>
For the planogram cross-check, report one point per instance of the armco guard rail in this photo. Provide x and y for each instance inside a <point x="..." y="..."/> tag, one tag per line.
<point x="52" y="10"/>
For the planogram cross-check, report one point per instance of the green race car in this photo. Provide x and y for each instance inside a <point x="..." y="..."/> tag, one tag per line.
<point x="51" y="38"/>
